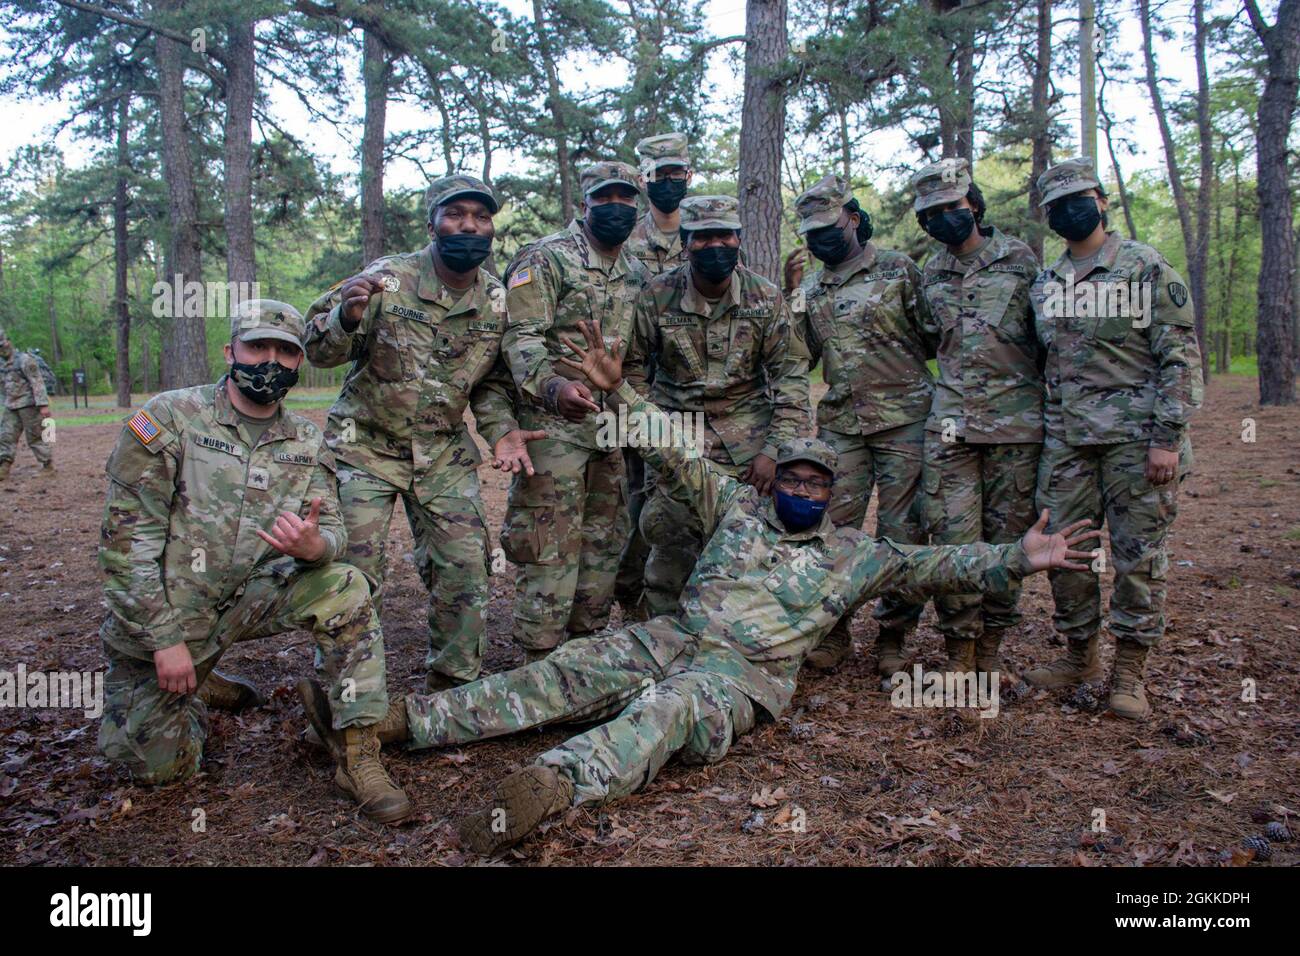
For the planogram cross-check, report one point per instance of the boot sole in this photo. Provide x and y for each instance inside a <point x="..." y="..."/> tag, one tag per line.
<point x="519" y="798"/>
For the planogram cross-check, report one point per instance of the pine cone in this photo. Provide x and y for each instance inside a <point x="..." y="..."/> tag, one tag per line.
<point x="1263" y="851"/>
<point x="1277" y="833"/>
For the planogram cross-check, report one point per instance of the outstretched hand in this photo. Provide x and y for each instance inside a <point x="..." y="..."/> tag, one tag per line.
<point x="1052" y="551"/>
<point x="297" y="537"/>
<point x="511" y="452"/>
<point x="602" y="368"/>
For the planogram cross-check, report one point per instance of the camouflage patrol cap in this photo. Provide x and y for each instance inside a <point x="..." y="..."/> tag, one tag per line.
<point x="1066" y="177"/>
<point x="941" y="183"/>
<point x="710" y="212"/>
<point x="808" y="449"/>
<point x="666" y="149"/>
<point x="598" y="175"/>
<point x="820" y="204"/>
<point x="267" y="319"/>
<point x="444" y="190"/>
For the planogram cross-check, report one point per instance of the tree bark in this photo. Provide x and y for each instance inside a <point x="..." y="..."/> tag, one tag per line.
<point x="376" y="69"/>
<point x="185" y="350"/>
<point x="555" y="103"/>
<point x="241" y="266"/>
<point x="1273" y="332"/>
<point x="1204" y="192"/>
<point x="121" y="309"/>
<point x="762" y="135"/>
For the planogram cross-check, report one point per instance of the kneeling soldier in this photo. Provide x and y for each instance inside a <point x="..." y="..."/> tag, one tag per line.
<point x="221" y="525"/>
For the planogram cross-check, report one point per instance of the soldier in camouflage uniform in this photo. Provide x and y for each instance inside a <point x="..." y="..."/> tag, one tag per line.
<point x="221" y="525"/>
<point x="23" y="406"/>
<point x="867" y="321"/>
<point x="985" y="429"/>
<point x="726" y="352"/>
<point x="566" y="525"/>
<point x="423" y="333"/>
<point x="775" y="576"/>
<point x="656" y="241"/>
<point x="1123" y="380"/>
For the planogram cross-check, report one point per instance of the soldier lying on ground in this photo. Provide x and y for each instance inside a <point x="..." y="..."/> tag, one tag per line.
<point x="774" y="577"/>
<point x="221" y="525"/>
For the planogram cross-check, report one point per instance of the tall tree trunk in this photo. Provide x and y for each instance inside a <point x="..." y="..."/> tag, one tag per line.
<point x="56" y="347"/>
<point x="762" y="135"/>
<point x="1040" y="121"/>
<point x="555" y="103"/>
<point x="1088" y="80"/>
<point x="121" y="309"/>
<point x="185" y="349"/>
<point x="1204" y="192"/>
<point x="376" y="69"/>
<point x="240" y="82"/>
<point x="1107" y="126"/>
<point x="1195" y="265"/>
<point x="964" y="145"/>
<point x="1274" y="336"/>
<point x="846" y="149"/>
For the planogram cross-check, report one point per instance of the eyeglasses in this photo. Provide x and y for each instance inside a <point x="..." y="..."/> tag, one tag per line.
<point x="674" y="177"/>
<point x="791" y="483"/>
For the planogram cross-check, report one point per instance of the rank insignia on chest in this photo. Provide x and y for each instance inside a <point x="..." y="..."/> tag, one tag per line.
<point x="259" y="478"/>
<point x="144" y="427"/>
<point x="522" y="277"/>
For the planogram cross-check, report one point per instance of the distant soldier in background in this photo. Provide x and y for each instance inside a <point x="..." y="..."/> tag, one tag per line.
<point x="566" y="525"/>
<point x="423" y="333"/>
<point x="985" y="429"/>
<point x="869" y="324"/>
<point x="1123" y="381"/>
<point x="24" y="405"/>
<point x="727" y="352"/>
<point x="221" y="525"/>
<point x="656" y="241"/>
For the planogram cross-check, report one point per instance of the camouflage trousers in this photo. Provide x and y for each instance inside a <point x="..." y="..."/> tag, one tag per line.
<point x="978" y="493"/>
<point x="25" y="421"/>
<point x="159" y="736"/>
<point x="656" y="712"/>
<point x="451" y="556"/>
<point x="676" y="538"/>
<point x="1108" y="483"/>
<point x="889" y="462"/>
<point x="629" y="583"/>
<point x="565" y="527"/>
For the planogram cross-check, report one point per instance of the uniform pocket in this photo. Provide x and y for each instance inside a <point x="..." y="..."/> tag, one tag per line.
<point x="386" y="353"/>
<point x="529" y="535"/>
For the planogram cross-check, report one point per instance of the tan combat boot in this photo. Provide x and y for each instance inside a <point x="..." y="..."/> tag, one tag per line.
<point x="889" y="653"/>
<point x="360" y="774"/>
<point x="987" y="659"/>
<point x="229" y="693"/>
<point x="835" y="646"/>
<point x="521" y="802"/>
<point x="1128" y="698"/>
<point x="1081" y="664"/>
<point x="4" y="469"/>
<point x="961" y="654"/>
<point x="392" y="729"/>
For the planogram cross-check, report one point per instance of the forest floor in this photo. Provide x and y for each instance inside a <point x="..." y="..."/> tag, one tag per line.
<point x="842" y="778"/>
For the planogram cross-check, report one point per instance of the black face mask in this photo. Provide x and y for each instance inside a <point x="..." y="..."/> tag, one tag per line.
<point x="666" y="194"/>
<point x="951" y="227"/>
<point x="264" y="383"/>
<point x="829" y="245"/>
<point x="1074" y="218"/>
<point x="715" y="263"/>
<point x="463" y="251"/>
<point x="611" y="222"/>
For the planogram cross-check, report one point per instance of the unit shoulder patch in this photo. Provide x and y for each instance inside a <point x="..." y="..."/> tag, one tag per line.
<point x="1177" y="293"/>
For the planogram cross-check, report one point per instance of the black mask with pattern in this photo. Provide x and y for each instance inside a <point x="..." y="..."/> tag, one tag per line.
<point x="264" y="383"/>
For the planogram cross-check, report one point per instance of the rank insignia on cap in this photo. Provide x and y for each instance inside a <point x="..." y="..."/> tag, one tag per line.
<point x="143" y="427"/>
<point x="522" y="277"/>
<point x="392" y="283"/>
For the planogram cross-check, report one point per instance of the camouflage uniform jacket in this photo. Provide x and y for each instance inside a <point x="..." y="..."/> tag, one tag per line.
<point x="739" y="362"/>
<point x="657" y="251"/>
<point x="186" y="498"/>
<point x="21" y="383"/>
<point x="989" y="385"/>
<point x="420" y="354"/>
<point x="1113" y="377"/>
<point x="867" y="321"/>
<point x="551" y="285"/>
<point x="761" y="597"/>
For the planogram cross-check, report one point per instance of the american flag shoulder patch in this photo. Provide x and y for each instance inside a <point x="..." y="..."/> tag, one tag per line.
<point x="144" y="427"/>
<point x="522" y="277"/>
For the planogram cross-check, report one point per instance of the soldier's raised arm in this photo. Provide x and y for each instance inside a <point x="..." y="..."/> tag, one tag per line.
<point x="1180" y="387"/>
<point x="786" y="363"/>
<point x="532" y="288"/>
<point x="142" y="485"/>
<point x="324" y="485"/>
<point x="339" y="321"/>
